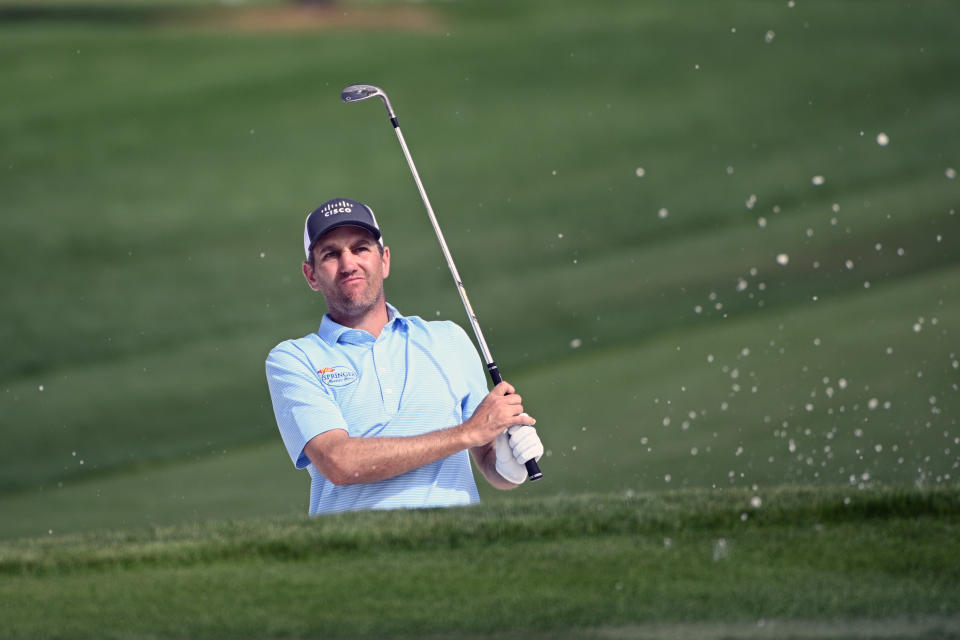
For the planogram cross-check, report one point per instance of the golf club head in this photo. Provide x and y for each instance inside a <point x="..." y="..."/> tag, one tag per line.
<point x="358" y="92"/>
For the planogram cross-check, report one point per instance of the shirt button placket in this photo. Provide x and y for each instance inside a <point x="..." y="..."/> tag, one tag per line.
<point x="389" y="393"/>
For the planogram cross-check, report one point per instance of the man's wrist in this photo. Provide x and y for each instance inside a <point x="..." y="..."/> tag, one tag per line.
<point x="462" y="434"/>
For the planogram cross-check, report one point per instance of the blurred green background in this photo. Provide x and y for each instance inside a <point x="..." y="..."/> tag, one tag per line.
<point x="713" y="244"/>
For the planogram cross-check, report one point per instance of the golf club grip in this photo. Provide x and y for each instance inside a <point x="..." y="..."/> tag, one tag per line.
<point x="533" y="469"/>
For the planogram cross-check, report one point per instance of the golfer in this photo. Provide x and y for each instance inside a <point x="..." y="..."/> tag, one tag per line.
<point x="381" y="408"/>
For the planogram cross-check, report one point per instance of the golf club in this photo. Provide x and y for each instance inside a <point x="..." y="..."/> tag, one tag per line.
<point x="358" y="92"/>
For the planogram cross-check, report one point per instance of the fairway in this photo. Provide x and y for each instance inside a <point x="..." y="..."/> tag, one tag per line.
<point x="714" y="245"/>
<point x="669" y="406"/>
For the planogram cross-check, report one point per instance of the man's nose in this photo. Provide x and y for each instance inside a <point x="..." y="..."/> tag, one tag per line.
<point x="348" y="262"/>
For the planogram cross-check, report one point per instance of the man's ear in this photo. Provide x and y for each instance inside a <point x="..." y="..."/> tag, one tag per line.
<point x="386" y="262"/>
<point x="308" y="273"/>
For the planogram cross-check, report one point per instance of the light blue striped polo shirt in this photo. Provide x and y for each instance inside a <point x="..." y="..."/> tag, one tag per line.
<point x="416" y="377"/>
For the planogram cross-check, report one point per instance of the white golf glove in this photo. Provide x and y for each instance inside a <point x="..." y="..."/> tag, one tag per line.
<point x="514" y="447"/>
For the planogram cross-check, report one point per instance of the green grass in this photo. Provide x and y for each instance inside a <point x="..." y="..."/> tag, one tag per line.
<point x="155" y="169"/>
<point x="729" y="556"/>
<point x="810" y="420"/>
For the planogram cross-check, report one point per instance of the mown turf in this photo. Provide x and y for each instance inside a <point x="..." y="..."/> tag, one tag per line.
<point x="548" y="566"/>
<point x="154" y="176"/>
<point x="803" y="414"/>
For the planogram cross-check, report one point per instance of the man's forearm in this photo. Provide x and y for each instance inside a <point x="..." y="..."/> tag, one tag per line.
<point x="343" y="459"/>
<point x="486" y="458"/>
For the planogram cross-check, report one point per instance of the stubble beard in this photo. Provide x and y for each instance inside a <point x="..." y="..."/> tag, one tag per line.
<point x="346" y="306"/>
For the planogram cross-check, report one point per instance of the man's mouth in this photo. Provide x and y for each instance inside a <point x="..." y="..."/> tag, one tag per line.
<point x="351" y="280"/>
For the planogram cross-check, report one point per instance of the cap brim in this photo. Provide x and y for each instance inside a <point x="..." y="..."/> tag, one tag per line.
<point x="348" y="223"/>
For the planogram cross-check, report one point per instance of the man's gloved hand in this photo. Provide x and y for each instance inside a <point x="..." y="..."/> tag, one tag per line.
<point x="514" y="447"/>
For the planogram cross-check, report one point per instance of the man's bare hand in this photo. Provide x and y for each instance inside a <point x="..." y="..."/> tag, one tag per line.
<point x="501" y="409"/>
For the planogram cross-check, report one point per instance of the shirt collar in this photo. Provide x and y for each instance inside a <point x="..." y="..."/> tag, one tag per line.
<point x="333" y="332"/>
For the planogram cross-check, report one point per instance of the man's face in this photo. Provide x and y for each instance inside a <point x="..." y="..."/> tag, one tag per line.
<point x="349" y="270"/>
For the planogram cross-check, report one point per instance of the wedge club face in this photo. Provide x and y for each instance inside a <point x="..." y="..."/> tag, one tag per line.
<point x="358" y="92"/>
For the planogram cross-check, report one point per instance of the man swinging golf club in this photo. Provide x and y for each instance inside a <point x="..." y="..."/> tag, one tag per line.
<point x="382" y="408"/>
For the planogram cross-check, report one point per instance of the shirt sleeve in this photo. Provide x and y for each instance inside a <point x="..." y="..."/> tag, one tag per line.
<point x="304" y="408"/>
<point x="474" y="371"/>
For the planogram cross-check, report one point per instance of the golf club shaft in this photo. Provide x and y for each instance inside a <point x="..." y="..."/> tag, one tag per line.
<point x="487" y="356"/>
<point x="533" y="470"/>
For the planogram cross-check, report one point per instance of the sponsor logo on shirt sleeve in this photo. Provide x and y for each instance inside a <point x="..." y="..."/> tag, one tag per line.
<point x="338" y="376"/>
